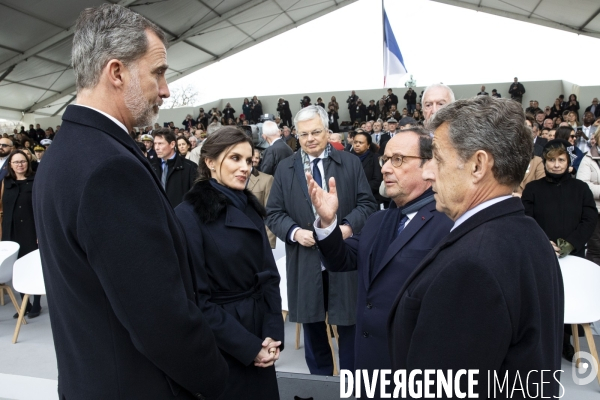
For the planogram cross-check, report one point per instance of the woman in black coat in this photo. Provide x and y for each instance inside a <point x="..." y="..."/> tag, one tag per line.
<point x="563" y="207"/>
<point x="17" y="207"/>
<point x="237" y="278"/>
<point x="362" y="146"/>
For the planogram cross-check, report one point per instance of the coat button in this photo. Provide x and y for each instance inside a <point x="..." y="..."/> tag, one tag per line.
<point x="365" y="334"/>
<point x="369" y="306"/>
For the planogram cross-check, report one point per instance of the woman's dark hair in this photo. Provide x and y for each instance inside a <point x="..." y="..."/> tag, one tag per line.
<point x="11" y="172"/>
<point x="186" y="142"/>
<point x="222" y="140"/>
<point x="563" y="133"/>
<point x="574" y="97"/>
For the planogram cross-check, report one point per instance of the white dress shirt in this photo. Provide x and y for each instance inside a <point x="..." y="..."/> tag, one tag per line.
<point x="476" y="209"/>
<point x="323" y="233"/>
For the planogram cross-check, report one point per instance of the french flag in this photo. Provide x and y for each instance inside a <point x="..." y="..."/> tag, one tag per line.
<point x="393" y="63"/>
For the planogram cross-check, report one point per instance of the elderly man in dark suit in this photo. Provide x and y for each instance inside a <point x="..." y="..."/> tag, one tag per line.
<point x="314" y="291"/>
<point x="120" y="289"/>
<point x="277" y="151"/>
<point x="390" y="246"/>
<point x="482" y="299"/>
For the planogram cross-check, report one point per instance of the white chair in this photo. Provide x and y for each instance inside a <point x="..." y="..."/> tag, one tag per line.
<point x="28" y="278"/>
<point x="582" y="299"/>
<point x="8" y="255"/>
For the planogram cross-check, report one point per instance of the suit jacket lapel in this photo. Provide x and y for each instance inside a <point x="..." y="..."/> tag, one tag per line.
<point x="253" y="181"/>
<point x="418" y="221"/>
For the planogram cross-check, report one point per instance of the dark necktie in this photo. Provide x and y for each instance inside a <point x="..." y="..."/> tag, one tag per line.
<point x="164" y="175"/>
<point x="316" y="173"/>
<point x="401" y="226"/>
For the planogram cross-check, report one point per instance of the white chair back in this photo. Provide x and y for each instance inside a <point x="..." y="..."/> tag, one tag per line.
<point x="283" y="284"/>
<point x="279" y="250"/>
<point x="581" y="279"/>
<point x="8" y="255"/>
<point x="28" y="277"/>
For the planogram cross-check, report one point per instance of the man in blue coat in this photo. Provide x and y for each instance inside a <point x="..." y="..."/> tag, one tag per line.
<point x="489" y="296"/>
<point x="390" y="246"/>
<point x="120" y="289"/>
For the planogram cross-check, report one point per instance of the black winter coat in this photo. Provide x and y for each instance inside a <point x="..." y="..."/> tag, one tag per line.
<point x="238" y="284"/>
<point x="180" y="177"/>
<point x="18" y="224"/>
<point x="563" y="209"/>
<point x="284" y="110"/>
<point x="372" y="170"/>
<point x="116" y="269"/>
<point x="490" y="297"/>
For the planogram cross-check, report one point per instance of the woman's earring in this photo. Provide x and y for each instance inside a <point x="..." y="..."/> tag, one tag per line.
<point x="213" y="168"/>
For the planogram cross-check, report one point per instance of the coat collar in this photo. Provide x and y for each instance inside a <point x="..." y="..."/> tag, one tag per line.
<point x="88" y="117"/>
<point x="498" y="210"/>
<point x="210" y="203"/>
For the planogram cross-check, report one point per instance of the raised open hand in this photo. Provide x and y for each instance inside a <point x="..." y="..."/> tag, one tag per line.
<point x="326" y="204"/>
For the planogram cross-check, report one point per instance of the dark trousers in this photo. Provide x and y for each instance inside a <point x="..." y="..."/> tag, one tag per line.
<point x="316" y="347"/>
<point x="352" y="115"/>
<point x="593" y="246"/>
<point x="411" y="109"/>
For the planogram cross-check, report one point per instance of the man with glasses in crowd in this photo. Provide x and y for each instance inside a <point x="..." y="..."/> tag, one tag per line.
<point x="6" y="146"/>
<point x="314" y="293"/>
<point x="391" y="244"/>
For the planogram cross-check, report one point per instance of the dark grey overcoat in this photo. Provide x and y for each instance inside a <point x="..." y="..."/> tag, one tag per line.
<point x="289" y="204"/>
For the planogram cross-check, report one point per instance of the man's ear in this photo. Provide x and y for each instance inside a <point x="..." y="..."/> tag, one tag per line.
<point x="482" y="163"/>
<point x="115" y="72"/>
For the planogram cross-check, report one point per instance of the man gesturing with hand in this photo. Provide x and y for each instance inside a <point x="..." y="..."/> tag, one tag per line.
<point x="314" y="291"/>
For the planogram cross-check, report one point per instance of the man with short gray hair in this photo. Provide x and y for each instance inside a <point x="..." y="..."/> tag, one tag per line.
<point x="313" y="292"/>
<point x="435" y="97"/>
<point x="277" y="150"/>
<point x="120" y="286"/>
<point x="489" y="296"/>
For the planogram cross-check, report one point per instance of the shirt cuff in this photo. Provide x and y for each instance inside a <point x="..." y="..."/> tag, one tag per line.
<point x="292" y="233"/>
<point x="323" y="233"/>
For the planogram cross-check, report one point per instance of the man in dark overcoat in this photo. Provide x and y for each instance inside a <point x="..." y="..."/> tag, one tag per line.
<point x="481" y="299"/>
<point x="390" y="246"/>
<point x="313" y="291"/>
<point x="121" y="293"/>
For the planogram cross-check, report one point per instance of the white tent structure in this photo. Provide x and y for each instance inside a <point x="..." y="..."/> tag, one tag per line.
<point x="35" y="40"/>
<point x="35" y="36"/>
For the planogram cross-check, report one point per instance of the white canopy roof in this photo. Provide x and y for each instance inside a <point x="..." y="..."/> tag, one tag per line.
<point x="35" y="36"/>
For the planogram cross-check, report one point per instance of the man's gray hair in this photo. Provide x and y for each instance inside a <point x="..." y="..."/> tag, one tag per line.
<point x="496" y="126"/>
<point x="104" y="33"/>
<point x="439" y="85"/>
<point x="311" y="112"/>
<point x="270" y="128"/>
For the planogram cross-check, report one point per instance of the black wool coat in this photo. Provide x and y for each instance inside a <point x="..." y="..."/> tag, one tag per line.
<point x="27" y="238"/>
<point x="565" y="209"/>
<point x="373" y="174"/>
<point x="273" y="155"/>
<point x="120" y="291"/>
<point x="180" y="177"/>
<point x="238" y="284"/>
<point x="490" y="297"/>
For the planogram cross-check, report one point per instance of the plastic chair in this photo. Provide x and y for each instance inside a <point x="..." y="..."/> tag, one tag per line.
<point x="8" y="255"/>
<point x="28" y="278"/>
<point x="582" y="299"/>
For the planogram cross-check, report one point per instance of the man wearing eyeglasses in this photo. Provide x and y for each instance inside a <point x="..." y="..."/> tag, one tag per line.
<point x="6" y="146"/>
<point x="391" y="244"/>
<point x="314" y="293"/>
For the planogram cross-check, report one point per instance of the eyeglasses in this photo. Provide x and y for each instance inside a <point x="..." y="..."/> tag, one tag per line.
<point x="18" y="162"/>
<point x="397" y="159"/>
<point x="5" y="145"/>
<point x="572" y="136"/>
<point x="304" y="135"/>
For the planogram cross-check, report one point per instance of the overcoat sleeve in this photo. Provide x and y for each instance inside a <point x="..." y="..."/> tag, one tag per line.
<point x="337" y="254"/>
<point x="267" y="164"/>
<point x="278" y="220"/>
<point x="589" y="217"/>
<point x="146" y="291"/>
<point x="232" y="337"/>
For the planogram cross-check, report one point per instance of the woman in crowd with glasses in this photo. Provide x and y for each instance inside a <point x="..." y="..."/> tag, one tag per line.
<point x="17" y="208"/>
<point x="237" y="278"/>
